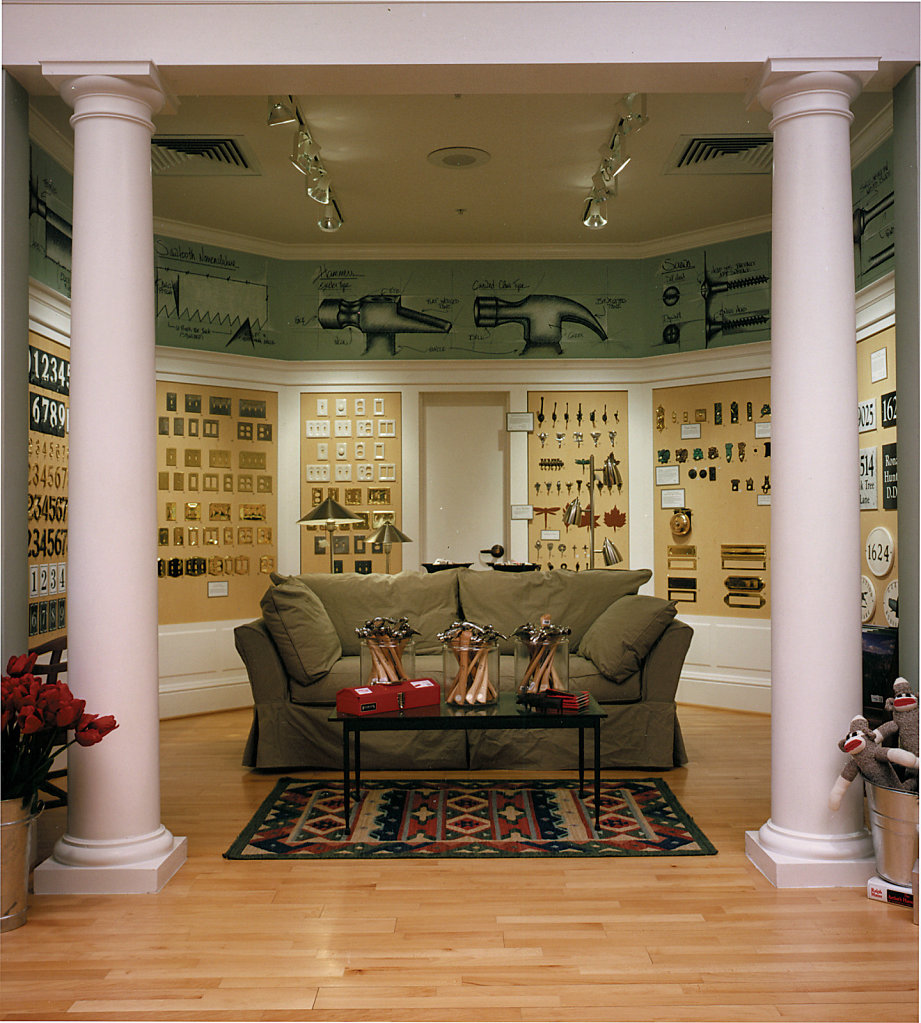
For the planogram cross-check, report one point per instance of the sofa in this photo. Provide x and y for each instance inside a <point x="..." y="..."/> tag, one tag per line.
<point x="626" y="648"/>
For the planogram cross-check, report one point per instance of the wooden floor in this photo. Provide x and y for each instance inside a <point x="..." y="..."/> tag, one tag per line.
<point x="701" y="938"/>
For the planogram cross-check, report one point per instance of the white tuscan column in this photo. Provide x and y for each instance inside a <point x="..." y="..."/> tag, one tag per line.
<point x="815" y="530"/>
<point x="114" y="841"/>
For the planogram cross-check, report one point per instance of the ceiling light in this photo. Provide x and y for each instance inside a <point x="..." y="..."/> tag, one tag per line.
<point x="318" y="186"/>
<point x="616" y="160"/>
<point x="281" y="111"/>
<point x="633" y="107"/>
<point x="596" y="210"/>
<point x="331" y="217"/>
<point x="304" y="152"/>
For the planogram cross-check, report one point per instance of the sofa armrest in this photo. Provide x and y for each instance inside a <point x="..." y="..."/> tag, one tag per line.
<point x="267" y="676"/>
<point x="662" y="668"/>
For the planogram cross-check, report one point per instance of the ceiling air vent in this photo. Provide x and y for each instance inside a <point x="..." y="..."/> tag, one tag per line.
<point x="722" y="154"/>
<point x="200" y="155"/>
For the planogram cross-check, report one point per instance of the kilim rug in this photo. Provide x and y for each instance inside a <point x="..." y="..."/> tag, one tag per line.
<point x="486" y="819"/>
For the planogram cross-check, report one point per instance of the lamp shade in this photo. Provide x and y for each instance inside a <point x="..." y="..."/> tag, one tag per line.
<point x="388" y="533"/>
<point x="610" y="553"/>
<point x="330" y="513"/>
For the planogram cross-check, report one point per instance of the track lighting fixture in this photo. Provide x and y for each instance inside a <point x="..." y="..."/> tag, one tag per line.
<point x="281" y="111"/>
<point x="631" y="118"/>
<point x="305" y="157"/>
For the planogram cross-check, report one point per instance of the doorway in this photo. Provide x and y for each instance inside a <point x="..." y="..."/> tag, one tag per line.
<point x="463" y="475"/>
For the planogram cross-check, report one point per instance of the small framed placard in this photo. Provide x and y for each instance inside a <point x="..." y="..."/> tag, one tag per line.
<point x="667" y="475"/>
<point x="673" y="498"/>
<point x="764" y="499"/>
<point x="690" y="431"/>
<point x="878" y="366"/>
<point x="549" y="534"/>
<point x="518" y="422"/>
<point x="763" y="430"/>
<point x="522" y="511"/>
<point x="218" y="589"/>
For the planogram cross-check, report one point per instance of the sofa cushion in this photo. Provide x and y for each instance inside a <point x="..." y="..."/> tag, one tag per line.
<point x="302" y="631"/>
<point x="619" y="639"/>
<point x="573" y="599"/>
<point x="428" y="600"/>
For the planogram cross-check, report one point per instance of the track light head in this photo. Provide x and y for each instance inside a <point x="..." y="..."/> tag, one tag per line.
<point x="281" y="111"/>
<point x="595" y="215"/>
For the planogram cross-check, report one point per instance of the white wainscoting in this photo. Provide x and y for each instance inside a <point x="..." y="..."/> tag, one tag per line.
<point x="200" y="669"/>
<point x="728" y="664"/>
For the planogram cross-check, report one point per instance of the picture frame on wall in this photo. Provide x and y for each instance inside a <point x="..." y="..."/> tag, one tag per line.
<point x="319" y="544"/>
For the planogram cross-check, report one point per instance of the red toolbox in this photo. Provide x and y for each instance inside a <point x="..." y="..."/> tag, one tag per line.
<point x="384" y="699"/>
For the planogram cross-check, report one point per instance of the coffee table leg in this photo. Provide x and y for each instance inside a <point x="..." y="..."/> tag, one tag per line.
<point x="581" y="761"/>
<point x="346" y="781"/>
<point x="597" y="775"/>
<point x="357" y="764"/>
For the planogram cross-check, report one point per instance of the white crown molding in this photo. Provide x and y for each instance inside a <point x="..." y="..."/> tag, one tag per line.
<point x="733" y="363"/>
<point x="875" y="307"/>
<point x="511" y="251"/>
<point x="45" y="135"/>
<point x="873" y="135"/>
<point x="49" y="313"/>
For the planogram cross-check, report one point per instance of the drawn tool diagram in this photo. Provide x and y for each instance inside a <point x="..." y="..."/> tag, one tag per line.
<point x="540" y="316"/>
<point x="873" y="233"/>
<point x="195" y="301"/>
<point x="380" y="318"/>
<point x="726" y="321"/>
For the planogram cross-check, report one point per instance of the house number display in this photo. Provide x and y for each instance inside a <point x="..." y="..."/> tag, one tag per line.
<point x="879" y="551"/>
<point x="47" y="415"/>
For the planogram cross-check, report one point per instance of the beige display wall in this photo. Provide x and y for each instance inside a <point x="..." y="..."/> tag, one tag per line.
<point x="216" y="500"/>
<point x="49" y="411"/>
<point x="571" y="427"/>
<point x="712" y="460"/>
<point x="351" y="450"/>
<point x="876" y="420"/>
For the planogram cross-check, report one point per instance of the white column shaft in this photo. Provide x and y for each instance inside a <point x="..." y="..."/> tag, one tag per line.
<point x="815" y="529"/>
<point x="114" y="788"/>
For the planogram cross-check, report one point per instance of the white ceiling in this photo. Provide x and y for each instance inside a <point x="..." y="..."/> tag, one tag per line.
<point x="544" y="150"/>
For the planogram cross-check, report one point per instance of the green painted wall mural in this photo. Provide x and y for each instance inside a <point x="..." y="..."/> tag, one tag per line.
<point x="217" y="299"/>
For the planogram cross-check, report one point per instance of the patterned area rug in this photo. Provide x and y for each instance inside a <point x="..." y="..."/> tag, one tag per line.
<point x="486" y="819"/>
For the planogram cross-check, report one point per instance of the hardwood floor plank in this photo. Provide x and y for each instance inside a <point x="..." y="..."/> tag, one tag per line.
<point x="642" y="939"/>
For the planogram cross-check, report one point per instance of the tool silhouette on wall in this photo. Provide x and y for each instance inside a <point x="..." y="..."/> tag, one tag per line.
<point x="380" y="318"/>
<point x="863" y="218"/>
<point x="541" y="316"/>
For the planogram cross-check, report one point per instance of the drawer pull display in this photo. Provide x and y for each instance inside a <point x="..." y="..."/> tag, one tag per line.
<point x="743" y="555"/>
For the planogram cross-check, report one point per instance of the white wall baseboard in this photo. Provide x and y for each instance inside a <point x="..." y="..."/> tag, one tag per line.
<point x="723" y="693"/>
<point x="179" y="701"/>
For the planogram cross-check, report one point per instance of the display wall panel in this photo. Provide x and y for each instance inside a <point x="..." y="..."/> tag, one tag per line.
<point x="877" y="423"/>
<point x="712" y="482"/>
<point x="49" y="420"/>
<point x="351" y="450"/>
<point x="216" y="500"/>
<point x="571" y="427"/>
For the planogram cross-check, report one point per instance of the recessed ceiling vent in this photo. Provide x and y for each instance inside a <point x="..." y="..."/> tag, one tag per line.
<point x="201" y="155"/>
<point x="722" y="154"/>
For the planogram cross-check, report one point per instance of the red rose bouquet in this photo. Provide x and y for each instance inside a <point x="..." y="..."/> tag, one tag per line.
<point x="40" y="720"/>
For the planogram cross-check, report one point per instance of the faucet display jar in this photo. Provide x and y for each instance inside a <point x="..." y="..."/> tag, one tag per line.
<point x="387" y="651"/>
<point x="471" y="664"/>
<point x="542" y="657"/>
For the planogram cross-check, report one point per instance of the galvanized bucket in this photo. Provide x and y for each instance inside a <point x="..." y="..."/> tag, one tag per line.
<point x="893" y="818"/>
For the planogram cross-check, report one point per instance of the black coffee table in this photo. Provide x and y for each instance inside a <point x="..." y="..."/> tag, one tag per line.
<point x="506" y="713"/>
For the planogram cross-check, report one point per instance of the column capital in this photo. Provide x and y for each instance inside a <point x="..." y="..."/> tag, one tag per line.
<point x="128" y="79"/>
<point x="832" y="83"/>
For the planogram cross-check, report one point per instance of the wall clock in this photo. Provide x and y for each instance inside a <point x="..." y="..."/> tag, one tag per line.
<point x="867" y="599"/>
<point x="891" y="603"/>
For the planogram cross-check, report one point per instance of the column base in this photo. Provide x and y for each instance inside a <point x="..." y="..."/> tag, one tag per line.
<point x="139" y="878"/>
<point x="791" y="861"/>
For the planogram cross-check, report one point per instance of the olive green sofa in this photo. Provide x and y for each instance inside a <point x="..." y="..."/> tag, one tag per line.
<point x="626" y="648"/>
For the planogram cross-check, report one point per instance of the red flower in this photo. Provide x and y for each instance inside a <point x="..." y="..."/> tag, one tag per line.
<point x="58" y="703"/>
<point x="21" y="665"/>
<point x="93" y="728"/>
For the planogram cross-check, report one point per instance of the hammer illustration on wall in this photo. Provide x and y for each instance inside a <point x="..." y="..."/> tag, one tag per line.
<point x="380" y="318"/>
<point x="541" y="316"/>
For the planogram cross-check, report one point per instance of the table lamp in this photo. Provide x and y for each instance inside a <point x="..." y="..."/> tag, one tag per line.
<point x="388" y="534"/>
<point x="329" y="514"/>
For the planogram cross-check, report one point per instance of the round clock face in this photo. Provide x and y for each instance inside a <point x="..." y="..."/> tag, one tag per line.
<point x="891" y="603"/>
<point x="879" y="551"/>
<point x="867" y="599"/>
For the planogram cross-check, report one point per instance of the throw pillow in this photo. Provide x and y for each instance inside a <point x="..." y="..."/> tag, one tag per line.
<point x="305" y="637"/>
<point x="619" y="639"/>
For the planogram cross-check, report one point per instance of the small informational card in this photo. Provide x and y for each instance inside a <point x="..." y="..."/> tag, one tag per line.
<point x="518" y="422"/>
<point x="763" y="430"/>
<point x="549" y="534"/>
<point x="667" y="475"/>
<point x="673" y="498"/>
<point x="878" y="369"/>
<point x="690" y="431"/>
<point x="522" y="511"/>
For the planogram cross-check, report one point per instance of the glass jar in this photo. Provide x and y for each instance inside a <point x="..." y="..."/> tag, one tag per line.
<point x="542" y="664"/>
<point x="471" y="674"/>
<point x="385" y="661"/>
